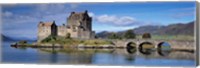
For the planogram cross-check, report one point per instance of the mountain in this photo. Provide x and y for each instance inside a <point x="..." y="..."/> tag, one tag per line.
<point x="172" y="29"/>
<point x="148" y="29"/>
<point x="5" y="38"/>
<point x="103" y="34"/>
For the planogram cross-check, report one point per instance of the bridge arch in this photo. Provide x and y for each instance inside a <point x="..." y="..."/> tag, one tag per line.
<point x="131" y="44"/>
<point x="146" y="48"/>
<point x="147" y="44"/>
<point x="164" y="45"/>
<point x="163" y="48"/>
<point x="131" y="47"/>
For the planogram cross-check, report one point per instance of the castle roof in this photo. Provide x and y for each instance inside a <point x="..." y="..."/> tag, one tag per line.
<point x="46" y="23"/>
<point x="78" y="14"/>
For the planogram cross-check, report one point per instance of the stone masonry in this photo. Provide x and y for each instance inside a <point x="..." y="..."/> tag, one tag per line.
<point x="79" y="25"/>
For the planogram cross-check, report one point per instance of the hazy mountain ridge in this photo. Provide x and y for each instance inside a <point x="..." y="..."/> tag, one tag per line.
<point x="173" y="29"/>
<point x="7" y="38"/>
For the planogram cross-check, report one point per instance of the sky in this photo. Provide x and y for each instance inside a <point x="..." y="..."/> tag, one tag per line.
<point x="21" y="20"/>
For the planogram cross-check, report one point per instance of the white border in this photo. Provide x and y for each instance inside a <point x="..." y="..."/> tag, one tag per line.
<point x="64" y="1"/>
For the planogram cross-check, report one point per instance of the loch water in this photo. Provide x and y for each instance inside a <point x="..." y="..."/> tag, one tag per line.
<point x="95" y="56"/>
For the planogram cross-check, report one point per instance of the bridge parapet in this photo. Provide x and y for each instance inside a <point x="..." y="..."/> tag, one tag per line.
<point x="174" y="43"/>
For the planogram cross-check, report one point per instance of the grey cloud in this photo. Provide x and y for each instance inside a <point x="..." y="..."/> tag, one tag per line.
<point x="117" y="20"/>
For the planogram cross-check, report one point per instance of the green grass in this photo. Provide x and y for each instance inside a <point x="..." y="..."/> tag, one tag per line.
<point x="70" y="41"/>
<point x="24" y="43"/>
<point x="61" y="40"/>
<point x="99" y="42"/>
<point x="96" y="42"/>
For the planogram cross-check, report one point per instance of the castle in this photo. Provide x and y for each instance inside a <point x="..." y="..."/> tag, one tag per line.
<point x="79" y="25"/>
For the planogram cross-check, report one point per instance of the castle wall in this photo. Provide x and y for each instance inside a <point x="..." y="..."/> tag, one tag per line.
<point x="80" y="25"/>
<point x="73" y="33"/>
<point x="43" y="32"/>
<point x="92" y="35"/>
<point x="46" y="29"/>
<point x="62" y="31"/>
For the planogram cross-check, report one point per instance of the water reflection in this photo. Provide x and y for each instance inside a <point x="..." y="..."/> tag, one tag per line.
<point x="164" y="48"/>
<point x="131" y="47"/>
<point x="128" y="56"/>
<point x="104" y="56"/>
<point x="146" y="48"/>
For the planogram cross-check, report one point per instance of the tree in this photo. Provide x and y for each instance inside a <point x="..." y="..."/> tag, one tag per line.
<point x="68" y="35"/>
<point x="129" y="34"/>
<point x="95" y="36"/>
<point x="114" y="36"/>
<point x="146" y="36"/>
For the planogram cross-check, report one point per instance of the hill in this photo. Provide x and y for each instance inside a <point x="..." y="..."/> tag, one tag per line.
<point x="172" y="29"/>
<point x="5" y="38"/>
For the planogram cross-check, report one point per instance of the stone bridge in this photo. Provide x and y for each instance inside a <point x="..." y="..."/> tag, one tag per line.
<point x="175" y="44"/>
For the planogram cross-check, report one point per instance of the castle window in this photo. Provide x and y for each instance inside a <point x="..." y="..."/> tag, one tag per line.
<point x="74" y="28"/>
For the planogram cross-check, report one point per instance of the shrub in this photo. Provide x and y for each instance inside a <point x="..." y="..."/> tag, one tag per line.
<point x="146" y="35"/>
<point x="68" y="35"/>
<point x="50" y="38"/>
<point x="114" y="36"/>
<point x="129" y="34"/>
<point x="22" y="42"/>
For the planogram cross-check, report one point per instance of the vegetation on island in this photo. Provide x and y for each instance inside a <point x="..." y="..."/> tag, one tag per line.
<point x="70" y="41"/>
<point x="21" y="44"/>
<point x="60" y="40"/>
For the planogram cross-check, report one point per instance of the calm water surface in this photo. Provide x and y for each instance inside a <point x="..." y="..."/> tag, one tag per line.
<point x="95" y="56"/>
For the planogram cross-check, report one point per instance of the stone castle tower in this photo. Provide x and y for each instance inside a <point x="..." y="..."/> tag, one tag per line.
<point x="45" y="29"/>
<point x="79" y="25"/>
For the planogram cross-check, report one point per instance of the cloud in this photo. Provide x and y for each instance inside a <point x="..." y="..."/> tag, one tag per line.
<point x="37" y="13"/>
<point x="7" y="14"/>
<point x="10" y="18"/>
<point x="20" y="21"/>
<point x="117" y="20"/>
<point x="91" y="14"/>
